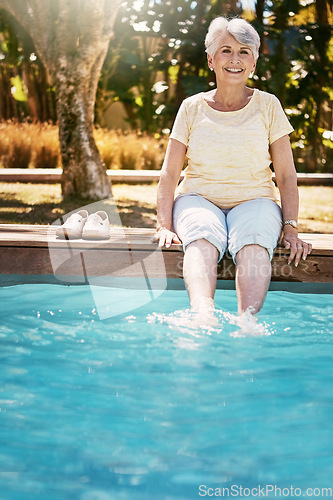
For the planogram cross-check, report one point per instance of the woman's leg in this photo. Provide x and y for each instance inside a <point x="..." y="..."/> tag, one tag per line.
<point x="200" y="270"/>
<point x="253" y="276"/>
<point x="254" y="230"/>
<point x="201" y="226"/>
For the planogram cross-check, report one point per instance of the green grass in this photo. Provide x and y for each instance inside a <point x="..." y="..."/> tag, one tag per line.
<point x="316" y="209"/>
<point x="42" y="204"/>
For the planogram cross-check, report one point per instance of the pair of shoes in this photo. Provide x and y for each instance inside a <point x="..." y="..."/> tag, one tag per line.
<point x="81" y="225"/>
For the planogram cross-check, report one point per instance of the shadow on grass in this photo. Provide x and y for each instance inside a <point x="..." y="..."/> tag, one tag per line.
<point x="136" y="214"/>
<point x="13" y="211"/>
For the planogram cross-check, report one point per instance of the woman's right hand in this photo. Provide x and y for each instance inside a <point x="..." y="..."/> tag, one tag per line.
<point x="169" y="177"/>
<point x="165" y="237"/>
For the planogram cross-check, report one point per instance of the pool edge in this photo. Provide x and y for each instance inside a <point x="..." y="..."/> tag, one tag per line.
<point x="155" y="283"/>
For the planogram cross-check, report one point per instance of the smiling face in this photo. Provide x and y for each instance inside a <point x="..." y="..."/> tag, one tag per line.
<point x="232" y="60"/>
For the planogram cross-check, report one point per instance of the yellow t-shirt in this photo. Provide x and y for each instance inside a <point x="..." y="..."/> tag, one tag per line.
<point x="228" y="152"/>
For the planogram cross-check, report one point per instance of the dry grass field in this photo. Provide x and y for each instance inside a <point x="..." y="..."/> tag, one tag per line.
<point x="36" y="145"/>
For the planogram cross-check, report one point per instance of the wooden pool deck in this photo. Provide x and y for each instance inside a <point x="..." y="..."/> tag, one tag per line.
<point x="36" y="252"/>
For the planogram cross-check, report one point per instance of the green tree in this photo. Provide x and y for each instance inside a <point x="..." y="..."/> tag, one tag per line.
<point x="296" y="65"/>
<point x="313" y="86"/>
<point x="34" y="98"/>
<point x="72" y="38"/>
<point x="161" y="44"/>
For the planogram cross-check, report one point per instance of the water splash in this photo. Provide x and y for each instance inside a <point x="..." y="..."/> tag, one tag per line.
<point x="212" y="321"/>
<point x="250" y="326"/>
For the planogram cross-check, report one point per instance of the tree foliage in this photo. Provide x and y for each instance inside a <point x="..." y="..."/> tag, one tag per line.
<point x="24" y="88"/>
<point x="157" y="58"/>
<point x="296" y="65"/>
<point x="158" y="47"/>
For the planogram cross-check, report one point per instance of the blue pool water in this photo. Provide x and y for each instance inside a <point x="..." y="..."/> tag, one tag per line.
<point x="148" y="405"/>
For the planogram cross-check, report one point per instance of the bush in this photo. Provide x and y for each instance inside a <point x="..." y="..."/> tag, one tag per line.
<point x="109" y="145"/>
<point x="154" y="151"/>
<point x="16" y="148"/>
<point x="46" y="151"/>
<point x="130" y="150"/>
<point x="4" y="143"/>
<point x="36" y="145"/>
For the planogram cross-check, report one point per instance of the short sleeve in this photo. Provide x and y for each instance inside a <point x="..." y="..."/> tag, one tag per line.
<point x="181" y="127"/>
<point x="278" y="121"/>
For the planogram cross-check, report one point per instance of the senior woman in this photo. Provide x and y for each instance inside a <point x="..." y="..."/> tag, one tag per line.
<point x="227" y="198"/>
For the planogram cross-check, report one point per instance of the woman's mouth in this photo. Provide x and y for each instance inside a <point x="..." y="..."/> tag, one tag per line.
<point x="234" y="70"/>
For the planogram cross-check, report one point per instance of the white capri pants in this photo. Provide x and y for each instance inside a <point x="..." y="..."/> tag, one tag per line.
<point x="254" y="222"/>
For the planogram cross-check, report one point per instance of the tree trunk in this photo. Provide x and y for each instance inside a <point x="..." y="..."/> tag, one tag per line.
<point x="72" y="38"/>
<point x="322" y="44"/>
<point x="84" y="173"/>
<point x="33" y="97"/>
<point x="83" y="41"/>
<point x="260" y="7"/>
<point x="4" y="107"/>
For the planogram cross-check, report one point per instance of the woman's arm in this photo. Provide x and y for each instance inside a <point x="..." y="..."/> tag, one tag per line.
<point x="286" y="179"/>
<point x="170" y="173"/>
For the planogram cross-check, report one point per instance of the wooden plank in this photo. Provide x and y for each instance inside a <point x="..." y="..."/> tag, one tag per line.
<point x="35" y="250"/>
<point x="53" y="176"/>
<point x="139" y="262"/>
<point x="44" y="236"/>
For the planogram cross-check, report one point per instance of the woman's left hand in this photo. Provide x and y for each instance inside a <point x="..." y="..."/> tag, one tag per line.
<point x="298" y="248"/>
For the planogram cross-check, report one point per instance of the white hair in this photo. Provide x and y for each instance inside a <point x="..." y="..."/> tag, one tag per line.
<point x="240" y="29"/>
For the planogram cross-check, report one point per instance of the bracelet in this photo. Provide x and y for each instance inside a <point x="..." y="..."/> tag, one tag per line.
<point x="291" y="222"/>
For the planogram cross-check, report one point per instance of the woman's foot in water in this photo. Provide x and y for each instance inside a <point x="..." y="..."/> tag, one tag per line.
<point x="204" y="309"/>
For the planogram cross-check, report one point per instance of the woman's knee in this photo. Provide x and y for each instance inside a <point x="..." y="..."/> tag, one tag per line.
<point x="206" y="249"/>
<point x="253" y="260"/>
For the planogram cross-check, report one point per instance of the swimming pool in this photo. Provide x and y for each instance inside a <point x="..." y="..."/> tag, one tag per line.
<point x="147" y="405"/>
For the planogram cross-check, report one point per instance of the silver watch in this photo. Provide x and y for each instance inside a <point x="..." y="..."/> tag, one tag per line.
<point x="291" y="222"/>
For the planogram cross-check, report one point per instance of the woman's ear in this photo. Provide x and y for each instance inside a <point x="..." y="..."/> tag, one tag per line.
<point x="253" y="70"/>
<point x="210" y="62"/>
